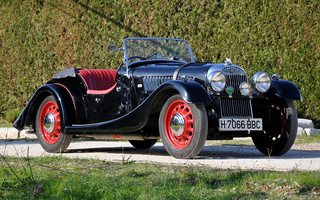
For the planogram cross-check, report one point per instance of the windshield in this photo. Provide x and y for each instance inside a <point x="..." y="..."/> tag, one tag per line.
<point x="137" y="49"/>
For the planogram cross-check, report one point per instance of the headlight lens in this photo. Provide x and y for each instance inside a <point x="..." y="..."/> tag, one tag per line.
<point x="245" y="88"/>
<point x="261" y="82"/>
<point x="217" y="81"/>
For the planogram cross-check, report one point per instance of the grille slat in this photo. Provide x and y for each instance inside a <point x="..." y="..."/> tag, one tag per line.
<point x="235" y="107"/>
<point x="151" y="83"/>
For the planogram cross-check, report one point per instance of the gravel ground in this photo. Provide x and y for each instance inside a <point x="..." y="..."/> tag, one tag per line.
<point x="307" y="147"/>
<point x="300" y="157"/>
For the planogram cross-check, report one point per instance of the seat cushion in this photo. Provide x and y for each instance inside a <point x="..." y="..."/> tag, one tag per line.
<point x="98" y="81"/>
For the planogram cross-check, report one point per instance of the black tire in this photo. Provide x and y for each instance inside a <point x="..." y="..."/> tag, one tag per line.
<point x="188" y="140"/>
<point x="280" y="127"/>
<point x="51" y="138"/>
<point x="143" y="144"/>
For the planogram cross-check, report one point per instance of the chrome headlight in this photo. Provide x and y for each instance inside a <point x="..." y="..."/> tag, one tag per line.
<point x="261" y="82"/>
<point x="217" y="81"/>
<point x="245" y="88"/>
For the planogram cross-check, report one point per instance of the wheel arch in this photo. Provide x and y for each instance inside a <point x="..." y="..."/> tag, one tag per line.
<point x="28" y="115"/>
<point x="285" y="90"/>
<point x="191" y="92"/>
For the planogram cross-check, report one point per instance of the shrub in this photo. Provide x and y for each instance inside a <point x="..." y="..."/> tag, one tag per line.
<point x="39" y="38"/>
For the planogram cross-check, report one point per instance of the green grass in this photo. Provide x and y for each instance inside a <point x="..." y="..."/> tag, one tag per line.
<point x="5" y="123"/>
<point x="307" y="139"/>
<point x="63" y="178"/>
<point x="38" y="38"/>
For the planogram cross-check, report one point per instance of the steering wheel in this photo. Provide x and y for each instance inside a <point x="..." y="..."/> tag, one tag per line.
<point x="133" y="57"/>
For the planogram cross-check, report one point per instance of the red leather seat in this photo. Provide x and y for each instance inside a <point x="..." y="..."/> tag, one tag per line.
<point x="98" y="81"/>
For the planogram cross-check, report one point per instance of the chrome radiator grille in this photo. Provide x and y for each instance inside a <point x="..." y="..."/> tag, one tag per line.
<point x="235" y="76"/>
<point x="238" y="106"/>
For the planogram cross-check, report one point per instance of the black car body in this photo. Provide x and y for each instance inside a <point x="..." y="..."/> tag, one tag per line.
<point x="159" y="91"/>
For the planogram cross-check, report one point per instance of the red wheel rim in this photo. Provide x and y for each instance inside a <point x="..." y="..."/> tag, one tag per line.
<point x="280" y="112"/>
<point x="50" y="109"/>
<point x="179" y="108"/>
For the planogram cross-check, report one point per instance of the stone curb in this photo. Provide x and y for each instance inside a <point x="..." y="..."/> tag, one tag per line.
<point x="305" y="123"/>
<point x="12" y="133"/>
<point x="305" y="127"/>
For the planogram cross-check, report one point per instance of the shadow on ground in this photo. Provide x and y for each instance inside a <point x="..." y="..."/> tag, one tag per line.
<point x="208" y="152"/>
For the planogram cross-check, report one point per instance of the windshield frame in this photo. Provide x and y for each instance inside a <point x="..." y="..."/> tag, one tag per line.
<point x="150" y="38"/>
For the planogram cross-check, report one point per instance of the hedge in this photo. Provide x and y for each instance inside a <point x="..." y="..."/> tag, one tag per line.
<point x="41" y="37"/>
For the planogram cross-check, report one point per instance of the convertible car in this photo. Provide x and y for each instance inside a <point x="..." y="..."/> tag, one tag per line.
<point x="159" y="91"/>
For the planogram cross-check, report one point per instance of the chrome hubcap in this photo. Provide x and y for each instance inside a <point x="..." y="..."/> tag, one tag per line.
<point x="177" y="124"/>
<point x="48" y="122"/>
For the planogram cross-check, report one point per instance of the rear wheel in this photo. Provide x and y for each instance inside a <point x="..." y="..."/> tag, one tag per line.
<point x="48" y="127"/>
<point x="143" y="144"/>
<point x="183" y="127"/>
<point x="280" y="127"/>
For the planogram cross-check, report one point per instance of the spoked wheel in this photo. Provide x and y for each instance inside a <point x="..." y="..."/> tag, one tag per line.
<point x="48" y="127"/>
<point x="183" y="127"/>
<point x="280" y="127"/>
<point x="143" y="144"/>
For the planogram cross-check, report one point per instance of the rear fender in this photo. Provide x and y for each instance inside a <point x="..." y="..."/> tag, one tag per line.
<point x="28" y="114"/>
<point x="285" y="90"/>
<point x="74" y="101"/>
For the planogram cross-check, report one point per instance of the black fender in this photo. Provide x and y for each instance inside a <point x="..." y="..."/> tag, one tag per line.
<point x="191" y="91"/>
<point x="285" y="90"/>
<point x="75" y="103"/>
<point x="28" y="114"/>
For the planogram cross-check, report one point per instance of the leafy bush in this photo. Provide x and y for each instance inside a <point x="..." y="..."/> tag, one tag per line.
<point x="41" y="37"/>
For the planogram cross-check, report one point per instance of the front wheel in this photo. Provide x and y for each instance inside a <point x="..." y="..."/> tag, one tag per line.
<point x="280" y="127"/>
<point x="48" y="127"/>
<point x="183" y="127"/>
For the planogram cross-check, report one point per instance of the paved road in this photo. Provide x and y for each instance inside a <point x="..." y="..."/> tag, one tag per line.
<point x="217" y="156"/>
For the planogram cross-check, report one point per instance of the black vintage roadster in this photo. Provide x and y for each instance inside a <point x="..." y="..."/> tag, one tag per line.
<point x="160" y="92"/>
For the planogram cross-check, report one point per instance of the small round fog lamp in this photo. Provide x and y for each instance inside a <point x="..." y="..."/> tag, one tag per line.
<point x="245" y="88"/>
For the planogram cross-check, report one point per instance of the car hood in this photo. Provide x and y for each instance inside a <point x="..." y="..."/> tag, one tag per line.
<point x="197" y="70"/>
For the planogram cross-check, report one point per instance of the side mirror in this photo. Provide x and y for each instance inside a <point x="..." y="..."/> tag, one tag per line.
<point x="113" y="47"/>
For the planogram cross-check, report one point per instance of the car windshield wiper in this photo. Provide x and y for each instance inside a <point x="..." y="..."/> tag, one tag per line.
<point x="177" y="57"/>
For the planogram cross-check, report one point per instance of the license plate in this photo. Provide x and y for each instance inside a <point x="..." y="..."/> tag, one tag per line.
<point x="240" y="124"/>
